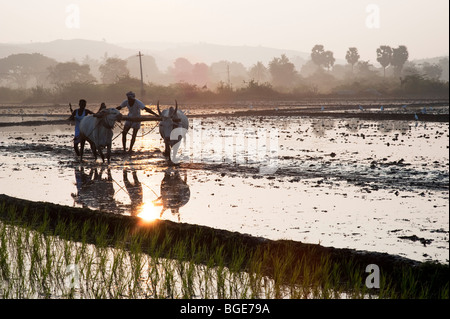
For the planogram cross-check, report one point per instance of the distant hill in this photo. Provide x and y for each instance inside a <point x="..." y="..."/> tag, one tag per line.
<point x="67" y="50"/>
<point x="164" y="53"/>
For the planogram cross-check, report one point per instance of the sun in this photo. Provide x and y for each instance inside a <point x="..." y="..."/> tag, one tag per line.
<point x="149" y="212"/>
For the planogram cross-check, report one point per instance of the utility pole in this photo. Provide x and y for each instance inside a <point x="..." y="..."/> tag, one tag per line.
<point x="142" y="77"/>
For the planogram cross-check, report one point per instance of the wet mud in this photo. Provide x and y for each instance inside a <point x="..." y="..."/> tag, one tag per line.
<point x="344" y="177"/>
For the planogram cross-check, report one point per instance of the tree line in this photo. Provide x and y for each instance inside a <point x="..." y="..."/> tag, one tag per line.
<point x="37" y="78"/>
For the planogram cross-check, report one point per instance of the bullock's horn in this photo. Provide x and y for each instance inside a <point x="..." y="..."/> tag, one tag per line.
<point x="176" y="108"/>
<point x="157" y="107"/>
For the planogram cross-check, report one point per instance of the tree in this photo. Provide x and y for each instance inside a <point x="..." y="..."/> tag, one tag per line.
<point x="283" y="72"/>
<point x="259" y="73"/>
<point x="321" y="57"/>
<point x="20" y="69"/>
<point x="182" y="70"/>
<point x="399" y="57"/>
<point x="150" y="70"/>
<point x="68" y="72"/>
<point x="230" y="74"/>
<point x="384" y="56"/>
<point x="352" y="56"/>
<point x="200" y="74"/>
<point x="328" y="59"/>
<point x="364" y="69"/>
<point x="443" y="63"/>
<point x="113" y="69"/>
<point x="317" y="55"/>
<point x="432" y="71"/>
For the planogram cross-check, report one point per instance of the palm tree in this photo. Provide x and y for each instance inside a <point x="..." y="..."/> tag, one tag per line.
<point x="399" y="57"/>
<point x="352" y="56"/>
<point x="259" y="72"/>
<point x="384" y="56"/>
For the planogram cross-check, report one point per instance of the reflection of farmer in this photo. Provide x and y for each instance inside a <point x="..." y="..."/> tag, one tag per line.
<point x="134" y="191"/>
<point x="93" y="190"/>
<point x="82" y="179"/>
<point x="175" y="192"/>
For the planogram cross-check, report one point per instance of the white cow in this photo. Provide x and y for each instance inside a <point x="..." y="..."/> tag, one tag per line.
<point x="172" y="128"/>
<point x="97" y="129"/>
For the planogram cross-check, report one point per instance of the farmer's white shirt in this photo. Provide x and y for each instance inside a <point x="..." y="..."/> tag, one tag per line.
<point x="135" y="110"/>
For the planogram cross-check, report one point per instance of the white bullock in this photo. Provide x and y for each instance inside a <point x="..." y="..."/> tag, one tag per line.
<point x="172" y="128"/>
<point x="97" y="129"/>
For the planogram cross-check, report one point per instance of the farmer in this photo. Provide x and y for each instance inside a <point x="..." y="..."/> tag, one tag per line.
<point x="134" y="110"/>
<point x="78" y="115"/>
<point x="102" y="107"/>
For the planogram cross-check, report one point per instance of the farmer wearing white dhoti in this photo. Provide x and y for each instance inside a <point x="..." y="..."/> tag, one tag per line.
<point x="134" y="110"/>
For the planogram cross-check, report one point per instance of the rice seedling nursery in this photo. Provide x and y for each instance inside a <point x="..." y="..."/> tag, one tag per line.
<point x="46" y="252"/>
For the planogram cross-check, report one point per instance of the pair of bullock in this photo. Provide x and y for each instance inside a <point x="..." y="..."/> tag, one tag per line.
<point x="97" y="129"/>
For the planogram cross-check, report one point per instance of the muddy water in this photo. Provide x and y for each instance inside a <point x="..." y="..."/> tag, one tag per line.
<point x="377" y="186"/>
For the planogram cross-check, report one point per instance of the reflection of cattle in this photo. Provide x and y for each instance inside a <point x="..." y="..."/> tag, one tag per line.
<point x="94" y="191"/>
<point x="172" y="128"/>
<point x="97" y="129"/>
<point x="175" y="192"/>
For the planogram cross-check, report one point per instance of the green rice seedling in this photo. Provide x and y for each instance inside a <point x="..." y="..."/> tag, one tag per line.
<point x="408" y="284"/>
<point x="154" y="274"/>
<point x="36" y="259"/>
<point x="47" y="269"/>
<point x="238" y="258"/>
<point x="84" y="231"/>
<point x="153" y="247"/>
<point x="205" y="279"/>
<point x="443" y="293"/>
<point x="186" y="272"/>
<point x="169" y="280"/>
<point x="294" y="291"/>
<point x="72" y="231"/>
<point x="4" y="256"/>
<point x="44" y="224"/>
<point x="335" y="278"/>
<point x="19" y="254"/>
<point x="100" y="231"/>
<point x="137" y="264"/>
<point x="220" y="273"/>
<point x="60" y="228"/>
<point x="183" y="268"/>
<point x="12" y="215"/>
<point x="268" y="290"/>
<point x="255" y="265"/>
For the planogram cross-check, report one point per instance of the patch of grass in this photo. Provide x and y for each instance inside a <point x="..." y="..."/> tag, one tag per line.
<point x="46" y="253"/>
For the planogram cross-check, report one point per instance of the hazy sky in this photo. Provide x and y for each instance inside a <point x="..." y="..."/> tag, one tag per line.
<point x="421" y="25"/>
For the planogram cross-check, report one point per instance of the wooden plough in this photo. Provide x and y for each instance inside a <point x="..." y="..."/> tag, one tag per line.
<point x="144" y="118"/>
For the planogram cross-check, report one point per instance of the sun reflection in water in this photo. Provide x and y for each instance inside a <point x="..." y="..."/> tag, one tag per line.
<point x="149" y="212"/>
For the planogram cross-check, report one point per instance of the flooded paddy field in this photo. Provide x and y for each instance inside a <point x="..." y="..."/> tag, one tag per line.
<point x="328" y="174"/>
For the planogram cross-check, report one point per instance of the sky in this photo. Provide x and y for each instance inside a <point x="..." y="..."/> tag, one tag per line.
<point x="421" y="25"/>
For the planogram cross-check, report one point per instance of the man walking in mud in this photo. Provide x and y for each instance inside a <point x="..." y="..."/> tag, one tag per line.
<point x="78" y="115"/>
<point x="134" y="110"/>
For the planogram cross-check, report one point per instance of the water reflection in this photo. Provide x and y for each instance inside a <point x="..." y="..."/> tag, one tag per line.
<point x="97" y="189"/>
<point x="93" y="190"/>
<point x="388" y="126"/>
<point x="135" y="192"/>
<point x="175" y="192"/>
<point x="321" y="126"/>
